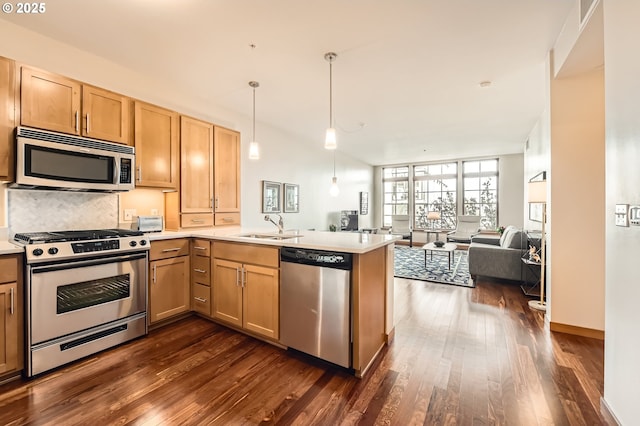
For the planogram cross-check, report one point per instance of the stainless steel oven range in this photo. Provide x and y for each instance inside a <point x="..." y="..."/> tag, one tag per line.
<point x="86" y="291"/>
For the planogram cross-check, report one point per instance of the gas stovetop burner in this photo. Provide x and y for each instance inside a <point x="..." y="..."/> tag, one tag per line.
<point x="63" y="245"/>
<point x="61" y="236"/>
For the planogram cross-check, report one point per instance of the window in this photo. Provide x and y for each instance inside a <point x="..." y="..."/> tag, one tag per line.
<point x="435" y="191"/>
<point x="480" y="182"/>
<point x="395" y="182"/>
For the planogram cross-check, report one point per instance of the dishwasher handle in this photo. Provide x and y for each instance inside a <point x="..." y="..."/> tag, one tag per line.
<point x="321" y="258"/>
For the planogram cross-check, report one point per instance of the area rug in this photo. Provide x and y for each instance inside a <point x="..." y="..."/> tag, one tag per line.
<point x="409" y="263"/>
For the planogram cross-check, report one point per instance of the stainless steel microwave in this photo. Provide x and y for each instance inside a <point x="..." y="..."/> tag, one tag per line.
<point x="58" y="161"/>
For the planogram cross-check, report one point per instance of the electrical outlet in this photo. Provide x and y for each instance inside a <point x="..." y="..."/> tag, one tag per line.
<point x="129" y="214"/>
<point x="154" y="212"/>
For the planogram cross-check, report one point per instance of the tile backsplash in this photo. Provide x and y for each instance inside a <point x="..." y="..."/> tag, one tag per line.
<point x="35" y="210"/>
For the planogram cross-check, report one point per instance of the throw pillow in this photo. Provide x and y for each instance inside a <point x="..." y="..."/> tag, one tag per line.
<point x="505" y="235"/>
<point x="516" y="240"/>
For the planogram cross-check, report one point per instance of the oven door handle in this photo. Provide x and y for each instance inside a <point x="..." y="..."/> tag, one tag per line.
<point x="83" y="263"/>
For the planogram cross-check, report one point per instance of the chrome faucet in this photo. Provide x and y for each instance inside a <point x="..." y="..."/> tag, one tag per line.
<point x="280" y="223"/>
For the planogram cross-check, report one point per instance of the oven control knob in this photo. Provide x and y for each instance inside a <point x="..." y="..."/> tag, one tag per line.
<point x="143" y="242"/>
<point x="133" y="243"/>
<point x="53" y="250"/>
<point x="37" y="252"/>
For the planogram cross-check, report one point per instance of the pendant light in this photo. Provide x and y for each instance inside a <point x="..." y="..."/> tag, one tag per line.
<point x="334" y="190"/>
<point x="254" y="149"/>
<point x="330" y="138"/>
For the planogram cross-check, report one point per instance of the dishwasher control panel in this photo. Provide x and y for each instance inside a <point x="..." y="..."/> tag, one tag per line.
<point x="324" y="258"/>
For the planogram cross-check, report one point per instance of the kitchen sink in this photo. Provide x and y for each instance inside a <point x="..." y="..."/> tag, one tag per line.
<point x="270" y="236"/>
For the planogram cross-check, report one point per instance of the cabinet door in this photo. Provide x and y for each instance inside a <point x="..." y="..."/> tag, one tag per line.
<point x="49" y="101"/>
<point x="227" y="292"/>
<point x="261" y="301"/>
<point x="7" y="118"/>
<point x="105" y="115"/>
<point x="169" y="288"/>
<point x="196" y="152"/>
<point x="226" y="170"/>
<point x="156" y="141"/>
<point x="9" y="313"/>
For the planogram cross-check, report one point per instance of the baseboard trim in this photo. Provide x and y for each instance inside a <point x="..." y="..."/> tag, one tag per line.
<point x="390" y="337"/>
<point x="608" y="415"/>
<point x="578" y="331"/>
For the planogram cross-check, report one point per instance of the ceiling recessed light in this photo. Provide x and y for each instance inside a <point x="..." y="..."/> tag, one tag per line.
<point x="485" y="83"/>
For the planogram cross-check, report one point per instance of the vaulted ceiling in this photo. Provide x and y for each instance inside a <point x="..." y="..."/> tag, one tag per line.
<point x="406" y="82"/>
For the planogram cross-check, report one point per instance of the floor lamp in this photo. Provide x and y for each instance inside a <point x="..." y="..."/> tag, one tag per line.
<point x="538" y="194"/>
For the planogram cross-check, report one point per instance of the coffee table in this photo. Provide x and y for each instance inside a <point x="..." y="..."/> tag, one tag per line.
<point x="448" y="248"/>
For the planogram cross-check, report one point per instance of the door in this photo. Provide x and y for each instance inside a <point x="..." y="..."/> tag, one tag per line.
<point x="196" y="152"/>
<point x="226" y="170"/>
<point x="227" y="292"/>
<point x="105" y="115"/>
<point x="169" y="288"/>
<point x="261" y="301"/>
<point x="49" y="101"/>
<point x="8" y="327"/>
<point x="156" y="140"/>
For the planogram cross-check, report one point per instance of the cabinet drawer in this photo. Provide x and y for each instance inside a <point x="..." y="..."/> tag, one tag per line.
<point x="200" y="270"/>
<point x="8" y="269"/>
<point x="201" y="247"/>
<point x="201" y="301"/>
<point x="227" y="219"/>
<point x="247" y="253"/>
<point x="165" y="249"/>
<point x="196" y="220"/>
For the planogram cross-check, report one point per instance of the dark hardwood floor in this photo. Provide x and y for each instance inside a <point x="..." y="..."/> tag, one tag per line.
<point x="460" y="357"/>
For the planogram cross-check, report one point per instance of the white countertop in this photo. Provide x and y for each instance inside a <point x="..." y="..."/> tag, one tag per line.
<point x="347" y="242"/>
<point x="7" y="248"/>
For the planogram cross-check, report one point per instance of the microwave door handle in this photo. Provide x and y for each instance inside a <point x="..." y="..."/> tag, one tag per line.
<point x="116" y="175"/>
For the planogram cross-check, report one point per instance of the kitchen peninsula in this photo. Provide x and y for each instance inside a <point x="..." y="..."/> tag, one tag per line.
<point x="256" y="252"/>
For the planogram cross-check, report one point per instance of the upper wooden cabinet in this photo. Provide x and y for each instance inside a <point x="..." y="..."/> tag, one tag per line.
<point x="7" y="117"/>
<point x="196" y="153"/>
<point x="157" y="146"/>
<point x="226" y="170"/>
<point x="105" y="115"/>
<point x="53" y="102"/>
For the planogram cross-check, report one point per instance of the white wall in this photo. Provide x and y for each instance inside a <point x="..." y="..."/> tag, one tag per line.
<point x="568" y="143"/>
<point x="510" y="194"/>
<point x="284" y="157"/>
<point x="622" y="103"/>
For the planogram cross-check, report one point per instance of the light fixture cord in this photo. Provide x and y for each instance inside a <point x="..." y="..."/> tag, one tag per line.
<point x="331" y="93"/>
<point x="254" y="114"/>
<point x="334" y="163"/>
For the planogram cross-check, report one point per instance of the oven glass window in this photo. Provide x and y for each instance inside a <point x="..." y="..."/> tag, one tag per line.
<point x="76" y="296"/>
<point x="68" y="166"/>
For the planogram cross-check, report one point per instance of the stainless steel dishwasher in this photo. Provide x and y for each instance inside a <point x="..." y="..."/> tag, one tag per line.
<point x="315" y="303"/>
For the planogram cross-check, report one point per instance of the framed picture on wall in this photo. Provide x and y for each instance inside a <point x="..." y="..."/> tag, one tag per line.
<point x="291" y="198"/>
<point x="270" y="197"/>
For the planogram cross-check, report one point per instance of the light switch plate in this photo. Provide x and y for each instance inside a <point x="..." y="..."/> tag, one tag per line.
<point x="129" y="214"/>
<point x="622" y="216"/>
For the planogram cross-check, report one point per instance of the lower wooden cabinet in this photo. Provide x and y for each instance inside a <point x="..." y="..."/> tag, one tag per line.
<point x="201" y="276"/>
<point x="244" y="294"/>
<point x="11" y="314"/>
<point x="168" y="279"/>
